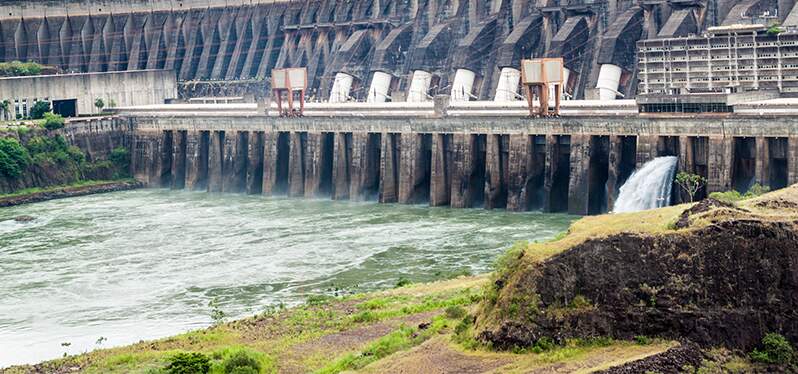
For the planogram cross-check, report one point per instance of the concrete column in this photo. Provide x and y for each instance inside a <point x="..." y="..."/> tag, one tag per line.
<point x="614" y="171"/>
<point x="255" y="163"/>
<point x="495" y="173"/>
<point x="193" y="160"/>
<point x="313" y="162"/>
<point x="550" y="170"/>
<point x="719" y="163"/>
<point x="408" y="170"/>
<point x="441" y="178"/>
<point x="762" y="162"/>
<point x="389" y="168"/>
<point x="269" y="162"/>
<point x="519" y="158"/>
<point x="646" y="149"/>
<point x="578" y="182"/>
<point x="461" y="170"/>
<point x="357" y="168"/>
<point x="141" y="159"/>
<point x="178" y="160"/>
<point x="296" y="165"/>
<point x="342" y="161"/>
<point x="215" y="162"/>
<point x="234" y="168"/>
<point x="792" y="160"/>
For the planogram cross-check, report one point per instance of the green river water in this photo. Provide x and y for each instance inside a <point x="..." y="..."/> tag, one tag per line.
<point x="144" y="264"/>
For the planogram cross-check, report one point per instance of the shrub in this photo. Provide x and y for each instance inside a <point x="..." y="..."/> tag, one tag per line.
<point x="189" y="363"/>
<point x="14" y="158"/>
<point x="53" y="121"/>
<point x="19" y="69"/>
<point x="241" y="362"/>
<point x="455" y="312"/>
<point x="120" y="157"/>
<point x="642" y="340"/>
<point x="99" y="104"/>
<point x="402" y="282"/>
<point x="38" y="110"/>
<point x="775" y="350"/>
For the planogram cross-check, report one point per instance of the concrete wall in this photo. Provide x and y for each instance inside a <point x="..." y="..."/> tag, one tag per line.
<point x="125" y="88"/>
<point x="555" y="164"/>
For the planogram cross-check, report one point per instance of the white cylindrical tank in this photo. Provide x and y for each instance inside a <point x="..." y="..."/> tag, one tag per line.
<point x="462" y="85"/>
<point x="507" y="90"/>
<point x="419" y="87"/>
<point x="380" y="84"/>
<point x="341" y="87"/>
<point x="608" y="81"/>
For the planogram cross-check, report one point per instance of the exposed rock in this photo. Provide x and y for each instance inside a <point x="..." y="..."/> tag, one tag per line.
<point x="726" y="284"/>
<point x="24" y="218"/>
<point x="673" y="361"/>
<point x="703" y="206"/>
<point x="67" y="192"/>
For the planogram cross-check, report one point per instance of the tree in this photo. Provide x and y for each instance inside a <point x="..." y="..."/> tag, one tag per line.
<point x="111" y="103"/>
<point x="690" y="183"/>
<point x="99" y="104"/>
<point x="38" y="109"/>
<point x="5" y="105"/>
<point x="53" y="121"/>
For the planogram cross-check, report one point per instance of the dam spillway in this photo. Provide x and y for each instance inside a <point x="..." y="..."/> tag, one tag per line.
<point x="572" y="164"/>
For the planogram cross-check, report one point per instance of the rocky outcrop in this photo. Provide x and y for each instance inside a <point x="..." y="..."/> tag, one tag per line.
<point x="726" y="284"/>
<point x="65" y="192"/>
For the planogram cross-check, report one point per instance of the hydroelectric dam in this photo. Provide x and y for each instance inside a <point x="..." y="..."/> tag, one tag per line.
<point x="477" y="154"/>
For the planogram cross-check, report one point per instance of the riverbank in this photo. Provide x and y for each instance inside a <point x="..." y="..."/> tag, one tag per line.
<point x="437" y="327"/>
<point x="82" y="188"/>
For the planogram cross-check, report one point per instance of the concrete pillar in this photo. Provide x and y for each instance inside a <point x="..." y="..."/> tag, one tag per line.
<point x="412" y="168"/>
<point x="296" y="165"/>
<point x="614" y="171"/>
<point x="461" y="170"/>
<point x="234" y="167"/>
<point x="762" y="163"/>
<point x="215" y="161"/>
<point x="178" y="160"/>
<point x="313" y="162"/>
<point x="519" y="158"/>
<point x="357" y="169"/>
<point x="441" y="178"/>
<point x="342" y="162"/>
<point x="496" y="176"/>
<point x="269" y="162"/>
<point x="719" y="163"/>
<point x="550" y="169"/>
<point x="578" y="183"/>
<point x="792" y="160"/>
<point x="194" y="162"/>
<point x="389" y="168"/>
<point x="141" y="159"/>
<point x="255" y="163"/>
<point x="646" y="149"/>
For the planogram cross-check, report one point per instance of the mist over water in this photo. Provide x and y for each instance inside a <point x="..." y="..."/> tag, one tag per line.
<point x="144" y="264"/>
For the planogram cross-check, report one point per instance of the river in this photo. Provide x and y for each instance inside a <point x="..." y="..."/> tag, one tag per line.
<point x="112" y="269"/>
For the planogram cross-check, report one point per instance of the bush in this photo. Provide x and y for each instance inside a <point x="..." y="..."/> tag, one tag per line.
<point x="241" y="362"/>
<point x="189" y="363"/>
<point x="19" y="69"/>
<point x="53" y="121"/>
<point x="455" y="312"/>
<point x="120" y="157"/>
<point x="39" y="109"/>
<point x="775" y="350"/>
<point x="402" y="282"/>
<point x="14" y="158"/>
<point x="734" y="196"/>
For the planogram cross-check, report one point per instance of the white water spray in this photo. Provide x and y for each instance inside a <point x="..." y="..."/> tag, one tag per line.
<point x="649" y="187"/>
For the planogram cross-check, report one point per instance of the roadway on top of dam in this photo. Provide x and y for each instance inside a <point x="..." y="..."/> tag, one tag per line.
<point x="618" y="117"/>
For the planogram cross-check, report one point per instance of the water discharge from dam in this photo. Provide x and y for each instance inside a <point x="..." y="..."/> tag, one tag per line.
<point x="144" y="264"/>
<point x="648" y="188"/>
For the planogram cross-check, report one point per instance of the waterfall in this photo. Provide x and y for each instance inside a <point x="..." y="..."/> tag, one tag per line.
<point x="649" y="187"/>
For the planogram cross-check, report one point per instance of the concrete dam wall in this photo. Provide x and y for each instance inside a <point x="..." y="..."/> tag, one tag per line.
<point x="368" y="50"/>
<point x="575" y="164"/>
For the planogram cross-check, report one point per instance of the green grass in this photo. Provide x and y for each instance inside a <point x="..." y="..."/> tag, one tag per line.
<point x="85" y="183"/>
